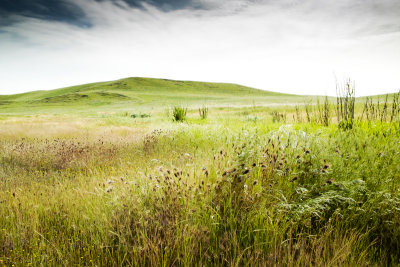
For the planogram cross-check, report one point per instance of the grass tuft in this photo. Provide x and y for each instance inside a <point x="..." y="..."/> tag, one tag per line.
<point x="179" y="114"/>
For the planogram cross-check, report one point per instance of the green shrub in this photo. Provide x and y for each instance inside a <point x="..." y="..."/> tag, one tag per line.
<point x="179" y="114"/>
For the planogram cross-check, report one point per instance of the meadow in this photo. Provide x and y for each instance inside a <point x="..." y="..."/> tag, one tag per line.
<point x="220" y="176"/>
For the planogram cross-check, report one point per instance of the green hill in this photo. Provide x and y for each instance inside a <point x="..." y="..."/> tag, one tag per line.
<point x="139" y="94"/>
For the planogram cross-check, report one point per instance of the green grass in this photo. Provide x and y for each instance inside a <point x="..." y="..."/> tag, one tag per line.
<point x="240" y="188"/>
<point x="138" y="94"/>
<point x="224" y="191"/>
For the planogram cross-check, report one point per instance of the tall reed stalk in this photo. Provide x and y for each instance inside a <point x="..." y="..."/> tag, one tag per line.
<point x="345" y="101"/>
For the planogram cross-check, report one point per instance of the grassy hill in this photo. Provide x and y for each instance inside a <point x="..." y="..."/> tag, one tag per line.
<point x="139" y="94"/>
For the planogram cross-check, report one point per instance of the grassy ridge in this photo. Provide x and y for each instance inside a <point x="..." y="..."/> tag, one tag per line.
<point x="138" y="94"/>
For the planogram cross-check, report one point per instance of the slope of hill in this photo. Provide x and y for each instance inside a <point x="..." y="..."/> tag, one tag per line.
<point x="139" y="93"/>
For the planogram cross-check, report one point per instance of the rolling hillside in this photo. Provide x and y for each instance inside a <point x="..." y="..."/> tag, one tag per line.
<point x="139" y="93"/>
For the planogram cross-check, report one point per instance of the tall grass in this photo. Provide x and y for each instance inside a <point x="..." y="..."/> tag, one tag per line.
<point x="387" y="112"/>
<point x="224" y="192"/>
<point x="203" y="112"/>
<point x="345" y="102"/>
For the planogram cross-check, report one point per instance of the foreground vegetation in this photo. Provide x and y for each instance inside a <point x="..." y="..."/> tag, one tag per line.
<point x="256" y="186"/>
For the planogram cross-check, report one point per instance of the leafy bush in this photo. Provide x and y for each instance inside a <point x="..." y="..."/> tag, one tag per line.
<point x="352" y="205"/>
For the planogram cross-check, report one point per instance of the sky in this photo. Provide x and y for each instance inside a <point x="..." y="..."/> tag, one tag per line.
<point x="291" y="46"/>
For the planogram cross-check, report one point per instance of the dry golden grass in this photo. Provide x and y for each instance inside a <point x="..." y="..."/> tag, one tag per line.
<point x="227" y="190"/>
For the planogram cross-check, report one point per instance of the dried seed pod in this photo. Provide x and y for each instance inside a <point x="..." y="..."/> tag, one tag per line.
<point x="329" y="181"/>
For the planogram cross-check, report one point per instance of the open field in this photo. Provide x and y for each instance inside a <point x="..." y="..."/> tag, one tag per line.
<point x="262" y="180"/>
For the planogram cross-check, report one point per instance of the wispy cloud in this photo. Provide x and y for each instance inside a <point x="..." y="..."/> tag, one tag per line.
<point x="289" y="46"/>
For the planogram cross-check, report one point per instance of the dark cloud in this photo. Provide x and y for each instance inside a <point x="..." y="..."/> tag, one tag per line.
<point x="68" y="11"/>
<point x="54" y="10"/>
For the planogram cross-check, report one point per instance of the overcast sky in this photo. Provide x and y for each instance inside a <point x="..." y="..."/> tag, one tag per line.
<point x="292" y="46"/>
